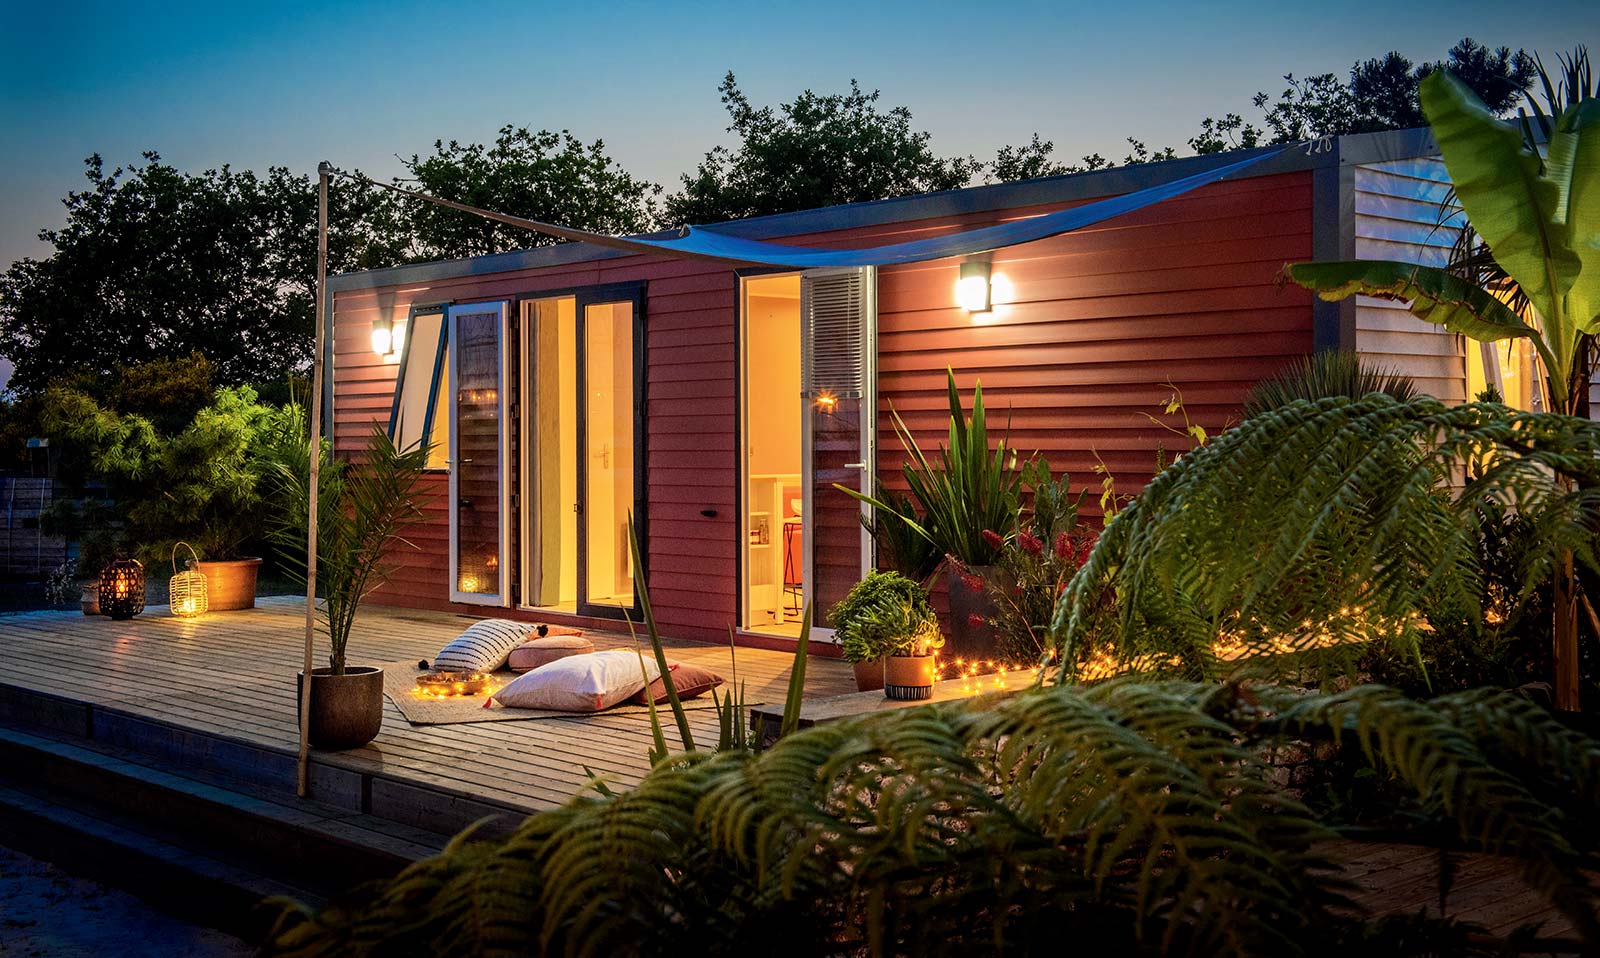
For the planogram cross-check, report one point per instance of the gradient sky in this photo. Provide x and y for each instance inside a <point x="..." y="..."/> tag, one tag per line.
<point x="286" y="83"/>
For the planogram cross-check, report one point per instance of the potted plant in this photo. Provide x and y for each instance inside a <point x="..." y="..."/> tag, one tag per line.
<point x="969" y="500"/>
<point x="361" y="510"/>
<point x="889" y="631"/>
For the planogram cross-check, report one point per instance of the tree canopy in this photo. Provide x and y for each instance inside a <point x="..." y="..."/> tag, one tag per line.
<point x="816" y="150"/>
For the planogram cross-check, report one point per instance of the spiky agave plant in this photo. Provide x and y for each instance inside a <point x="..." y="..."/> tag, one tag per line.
<point x="1130" y="816"/>
<point x="1307" y="532"/>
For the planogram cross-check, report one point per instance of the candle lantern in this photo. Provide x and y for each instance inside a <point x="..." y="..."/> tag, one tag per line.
<point x="186" y="592"/>
<point x="122" y="589"/>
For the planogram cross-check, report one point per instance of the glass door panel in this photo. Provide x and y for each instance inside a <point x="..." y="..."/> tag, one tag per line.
<point x="478" y="454"/>
<point x="838" y="557"/>
<point x="549" y="453"/>
<point x="609" y="413"/>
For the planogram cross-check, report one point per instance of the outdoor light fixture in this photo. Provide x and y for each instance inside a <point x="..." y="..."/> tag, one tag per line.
<point x="827" y="402"/>
<point x="972" y="289"/>
<point x="186" y="590"/>
<point x="383" y="335"/>
<point x="122" y="589"/>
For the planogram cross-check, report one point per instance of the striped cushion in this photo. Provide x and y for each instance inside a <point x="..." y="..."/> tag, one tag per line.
<point x="483" y="647"/>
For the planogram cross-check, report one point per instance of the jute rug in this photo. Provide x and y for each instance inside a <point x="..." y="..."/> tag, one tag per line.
<point x="399" y="684"/>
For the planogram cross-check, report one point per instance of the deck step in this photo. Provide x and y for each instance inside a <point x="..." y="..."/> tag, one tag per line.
<point x="204" y="847"/>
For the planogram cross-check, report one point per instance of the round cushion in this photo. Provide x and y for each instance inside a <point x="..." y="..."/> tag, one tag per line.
<point x="536" y="652"/>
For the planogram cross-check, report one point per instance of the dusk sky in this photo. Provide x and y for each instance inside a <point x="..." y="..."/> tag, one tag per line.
<point x="281" y="83"/>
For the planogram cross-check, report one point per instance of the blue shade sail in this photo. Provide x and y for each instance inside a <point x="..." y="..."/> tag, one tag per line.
<point x="702" y="242"/>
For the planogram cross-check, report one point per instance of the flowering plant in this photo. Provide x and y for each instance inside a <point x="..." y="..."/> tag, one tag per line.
<point x="1035" y="564"/>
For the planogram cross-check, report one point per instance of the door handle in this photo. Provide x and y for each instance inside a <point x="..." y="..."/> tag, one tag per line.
<point x="855" y="465"/>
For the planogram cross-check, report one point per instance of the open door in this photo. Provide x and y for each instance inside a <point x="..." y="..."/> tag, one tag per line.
<point x="838" y="310"/>
<point x="480" y="451"/>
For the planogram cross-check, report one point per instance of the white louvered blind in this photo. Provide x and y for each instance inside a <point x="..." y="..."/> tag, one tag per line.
<point x="835" y="306"/>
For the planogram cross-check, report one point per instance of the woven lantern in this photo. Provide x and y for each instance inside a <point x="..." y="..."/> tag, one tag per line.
<point x="122" y="589"/>
<point x="186" y="591"/>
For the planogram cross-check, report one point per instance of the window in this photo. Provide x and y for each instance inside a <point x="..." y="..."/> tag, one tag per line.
<point x="423" y="381"/>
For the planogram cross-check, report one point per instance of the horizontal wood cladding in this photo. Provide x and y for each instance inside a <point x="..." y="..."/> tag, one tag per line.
<point x="1088" y="331"/>
<point x="1397" y="217"/>
<point x="1091" y="331"/>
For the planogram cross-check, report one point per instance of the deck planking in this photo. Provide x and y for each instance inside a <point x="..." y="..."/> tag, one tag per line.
<point x="231" y="675"/>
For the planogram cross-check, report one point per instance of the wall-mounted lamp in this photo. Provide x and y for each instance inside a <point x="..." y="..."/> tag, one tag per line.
<point x="827" y="403"/>
<point x="972" y="289"/>
<point x="383" y="335"/>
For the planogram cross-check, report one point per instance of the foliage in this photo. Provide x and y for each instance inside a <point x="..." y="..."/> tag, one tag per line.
<point x="885" y="614"/>
<point x="362" y="510"/>
<point x="153" y="262"/>
<point x="1298" y="537"/>
<point x="1129" y="818"/>
<point x="1047" y="548"/>
<point x="1381" y="94"/>
<point x="817" y="150"/>
<point x="1540" y="214"/>
<point x="900" y="547"/>
<point x="1331" y="373"/>
<point x="552" y="177"/>
<point x="1033" y="160"/>
<point x="198" y="480"/>
<point x="971" y="488"/>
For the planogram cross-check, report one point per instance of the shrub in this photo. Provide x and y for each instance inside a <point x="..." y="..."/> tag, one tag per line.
<point x="885" y="614"/>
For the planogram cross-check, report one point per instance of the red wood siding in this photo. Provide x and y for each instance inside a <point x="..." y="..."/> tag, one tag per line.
<point x="1095" y="326"/>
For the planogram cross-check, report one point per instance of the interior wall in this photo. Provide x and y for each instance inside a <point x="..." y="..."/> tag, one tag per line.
<point x="773" y="403"/>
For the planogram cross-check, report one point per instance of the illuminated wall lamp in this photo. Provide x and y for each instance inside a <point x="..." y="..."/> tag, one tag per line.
<point x="383" y="336"/>
<point x="972" y="289"/>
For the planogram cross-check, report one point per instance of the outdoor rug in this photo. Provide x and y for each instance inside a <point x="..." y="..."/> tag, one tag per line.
<point x="399" y="681"/>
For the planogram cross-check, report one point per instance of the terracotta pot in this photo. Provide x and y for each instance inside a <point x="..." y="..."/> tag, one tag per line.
<point x="908" y="678"/>
<point x="869" y="675"/>
<point x="230" y="584"/>
<point x="346" y="710"/>
<point x="966" y="640"/>
<point x="90" y="603"/>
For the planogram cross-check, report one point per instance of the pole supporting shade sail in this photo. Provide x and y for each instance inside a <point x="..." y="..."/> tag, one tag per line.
<point x="701" y="242"/>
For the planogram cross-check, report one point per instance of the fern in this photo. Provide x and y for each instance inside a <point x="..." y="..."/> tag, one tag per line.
<point x="1130" y="816"/>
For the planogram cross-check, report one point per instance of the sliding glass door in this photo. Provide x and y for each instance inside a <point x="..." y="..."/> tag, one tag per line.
<point x="582" y="463"/>
<point x="479" y="458"/>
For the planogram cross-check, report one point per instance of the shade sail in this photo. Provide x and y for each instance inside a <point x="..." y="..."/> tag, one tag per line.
<point x="702" y="242"/>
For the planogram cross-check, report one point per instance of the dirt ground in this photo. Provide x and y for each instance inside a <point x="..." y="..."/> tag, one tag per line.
<point x="47" y="913"/>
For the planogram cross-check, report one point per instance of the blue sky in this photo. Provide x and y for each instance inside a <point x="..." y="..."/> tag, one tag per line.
<point x="356" y="83"/>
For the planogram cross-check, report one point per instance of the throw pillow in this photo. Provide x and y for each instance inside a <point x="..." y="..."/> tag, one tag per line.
<point x="691" y="681"/>
<point x="580" y="683"/>
<point x="536" y="652"/>
<point x="482" y="647"/>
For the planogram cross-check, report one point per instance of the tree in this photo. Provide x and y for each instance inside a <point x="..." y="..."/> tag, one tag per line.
<point x="154" y="262"/>
<point x="545" y="176"/>
<point x="1033" y="160"/>
<point x="818" y="150"/>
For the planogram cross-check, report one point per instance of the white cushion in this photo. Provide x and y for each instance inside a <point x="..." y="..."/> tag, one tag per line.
<point x="483" y="647"/>
<point x="581" y="683"/>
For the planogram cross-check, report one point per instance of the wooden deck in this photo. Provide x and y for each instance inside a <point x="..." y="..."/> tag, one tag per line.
<point x="228" y="678"/>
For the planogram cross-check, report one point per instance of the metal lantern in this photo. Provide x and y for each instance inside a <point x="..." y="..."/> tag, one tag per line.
<point x="122" y="589"/>
<point x="186" y="591"/>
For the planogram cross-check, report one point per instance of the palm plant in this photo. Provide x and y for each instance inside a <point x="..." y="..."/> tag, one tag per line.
<point x="1332" y="373"/>
<point x="362" y="509"/>
<point x="1304" y="534"/>
<point x="1538" y="214"/>
<point x="971" y="488"/>
<point x="1129" y="817"/>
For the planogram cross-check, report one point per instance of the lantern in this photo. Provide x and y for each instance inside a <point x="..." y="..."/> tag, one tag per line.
<point x="122" y="589"/>
<point x="186" y="591"/>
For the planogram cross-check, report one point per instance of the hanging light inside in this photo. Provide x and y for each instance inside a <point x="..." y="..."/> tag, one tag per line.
<point x="972" y="289"/>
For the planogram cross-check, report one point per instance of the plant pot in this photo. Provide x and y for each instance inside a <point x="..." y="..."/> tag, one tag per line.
<point x="966" y="640"/>
<point x="230" y="584"/>
<point x="346" y="710"/>
<point x="908" y="678"/>
<point x="90" y="602"/>
<point x="869" y="675"/>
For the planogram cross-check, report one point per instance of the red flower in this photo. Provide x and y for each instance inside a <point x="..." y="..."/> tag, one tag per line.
<point x="1063" y="546"/>
<point x="975" y="620"/>
<point x="992" y="539"/>
<point x="1030" y="543"/>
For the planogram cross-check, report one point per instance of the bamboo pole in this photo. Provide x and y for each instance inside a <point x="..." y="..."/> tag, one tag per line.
<point x="303" y="770"/>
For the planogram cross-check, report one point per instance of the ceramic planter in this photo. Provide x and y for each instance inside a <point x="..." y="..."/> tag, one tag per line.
<point x="869" y="675"/>
<point x="346" y="710"/>
<point x="908" y="678"/>
<point x="230" y="584"/>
